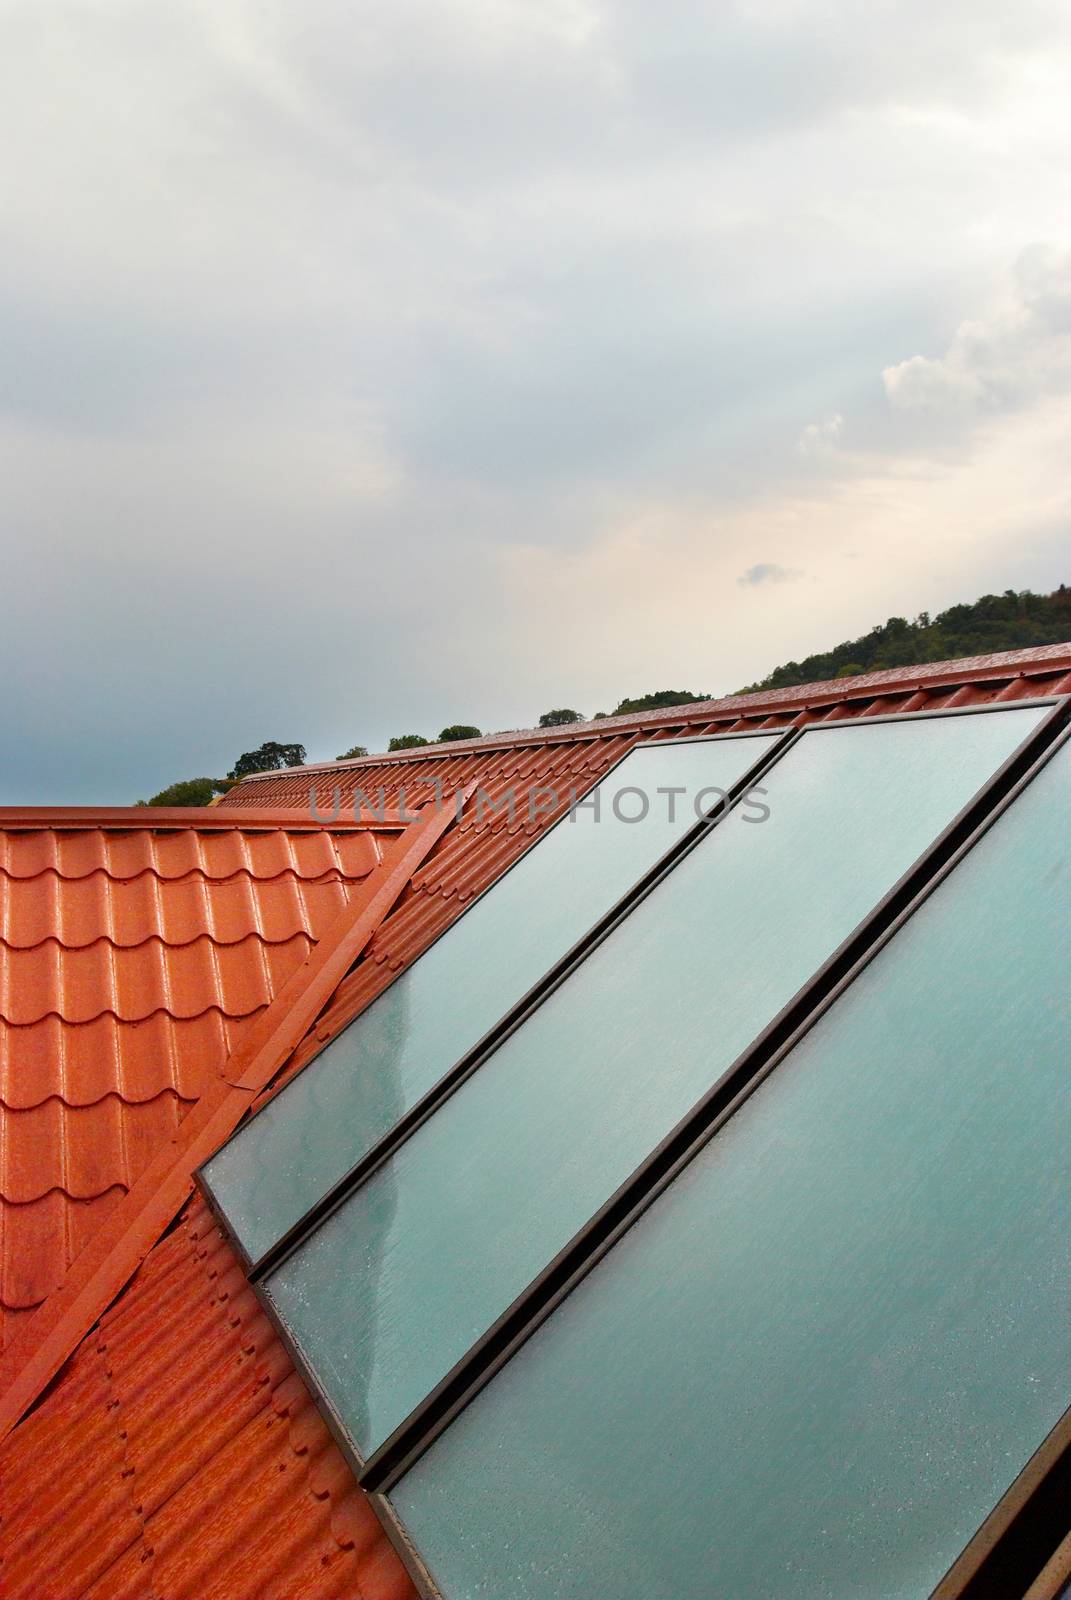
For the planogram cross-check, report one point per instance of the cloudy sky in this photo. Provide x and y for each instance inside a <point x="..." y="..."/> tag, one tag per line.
<point x="368" y="367"/>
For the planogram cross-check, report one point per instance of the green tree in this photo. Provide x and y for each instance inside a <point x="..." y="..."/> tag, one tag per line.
<point x="407" y="741"/>
<point x="560" y="718"/>
<point x="459" y="730"/>
<point x="350" y="755"/>
<point x="268" y="758"/>
<point x="1009" y="621"/>
<point x="657" y="700"/>
<point x="189" y="792"/>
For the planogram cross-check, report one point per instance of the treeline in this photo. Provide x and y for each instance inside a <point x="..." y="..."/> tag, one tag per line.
<point x="1014" y="620"/>
<point x="268" y="757"/>
<point x="560" y="717"/>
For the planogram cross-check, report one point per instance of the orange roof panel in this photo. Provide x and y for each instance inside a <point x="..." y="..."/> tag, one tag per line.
<point x="192" y="1463"/>
<point x="132" y="959"/>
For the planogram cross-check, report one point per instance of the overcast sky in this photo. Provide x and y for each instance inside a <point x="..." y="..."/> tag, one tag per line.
<point x="367" y="367"/>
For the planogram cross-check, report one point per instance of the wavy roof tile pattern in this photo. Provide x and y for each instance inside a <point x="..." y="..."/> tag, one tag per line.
<point x="191" y="1462"/>
<point x="193" y="1465"/>
<point x="132" y="959"/>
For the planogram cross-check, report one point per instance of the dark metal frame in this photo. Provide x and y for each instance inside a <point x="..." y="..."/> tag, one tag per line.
<point x="1023" y="1530"/>
<point x="519" y="1012"/>
<point x="1033" y="1511"/>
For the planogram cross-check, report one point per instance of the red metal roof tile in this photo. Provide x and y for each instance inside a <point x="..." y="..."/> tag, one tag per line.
<point x="138" y="1061"/>
<point x="155" y="1193"/>
<point x="192" y="1462"/>
<point x="83" y="910"/>
<point x="132" y="959"/>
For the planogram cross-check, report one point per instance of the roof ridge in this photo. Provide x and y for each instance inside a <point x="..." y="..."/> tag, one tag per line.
<point x="999" y="666"/>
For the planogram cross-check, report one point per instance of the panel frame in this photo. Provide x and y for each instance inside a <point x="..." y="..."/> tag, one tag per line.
<point x="967" y="1578"/>
<point x="428" y="1103"/>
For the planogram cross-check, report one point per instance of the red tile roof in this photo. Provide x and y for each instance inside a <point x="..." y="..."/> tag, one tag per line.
<point x="181" y="1458"/>
<point x="126" y="1235"/>
<point x="132" y="960"/>
<point x="178" y="1455"/>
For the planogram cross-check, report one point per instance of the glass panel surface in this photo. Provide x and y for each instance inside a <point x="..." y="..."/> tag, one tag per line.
<point x="817" y="1362"/>
<point x="309" y="1136"/>
<point x="396" y="1286"/>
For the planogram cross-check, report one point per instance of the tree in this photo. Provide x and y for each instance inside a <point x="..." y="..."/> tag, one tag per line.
<point x="407" y="741"/>
<point x="189" y="792"/>
<point x="657" y="700"/>
<point x="268" y="758"/>
<point x="560" y="718"/>
<point x="459" y="730"/>
<point x="351" y="755"/>
<point x="1009" y="621"/>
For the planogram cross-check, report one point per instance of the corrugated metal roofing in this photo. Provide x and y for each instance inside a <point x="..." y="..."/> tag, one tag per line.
<point x="132" y="959"/>
<point x="178" y="1455"/>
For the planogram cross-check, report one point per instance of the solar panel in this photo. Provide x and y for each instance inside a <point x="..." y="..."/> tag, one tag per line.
<point x="281" y="1161"/>
<point x="815" y="1363"/>
<point x="394" y="1288"/>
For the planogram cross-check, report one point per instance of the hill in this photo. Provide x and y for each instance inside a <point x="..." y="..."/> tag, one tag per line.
<point x="1009" y="621"/>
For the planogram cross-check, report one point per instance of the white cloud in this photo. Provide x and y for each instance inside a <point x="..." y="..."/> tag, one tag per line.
<point x="819" y="438"/>
<point x="1004" y="361"/>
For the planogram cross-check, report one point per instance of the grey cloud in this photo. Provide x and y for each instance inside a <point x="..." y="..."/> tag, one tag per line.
<point x="768" y="572"/>
<point x="480" y="94"/>
<point x="320" y="321"/>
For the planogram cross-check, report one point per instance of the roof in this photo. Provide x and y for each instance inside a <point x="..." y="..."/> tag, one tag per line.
<point x="133" y="957"/>
<point x="973" y="674"/>
<point x="182" y="1459"/>
<point x="177" y="1454"/>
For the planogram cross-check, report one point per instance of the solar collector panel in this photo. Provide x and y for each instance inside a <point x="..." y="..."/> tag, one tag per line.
<point x="395" y="1287"/>
<point x="285" y="1158"/>
<point x="821" y="1356"/>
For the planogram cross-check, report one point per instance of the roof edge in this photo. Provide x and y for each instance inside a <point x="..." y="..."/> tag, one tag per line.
<point x="205" y="819"/>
